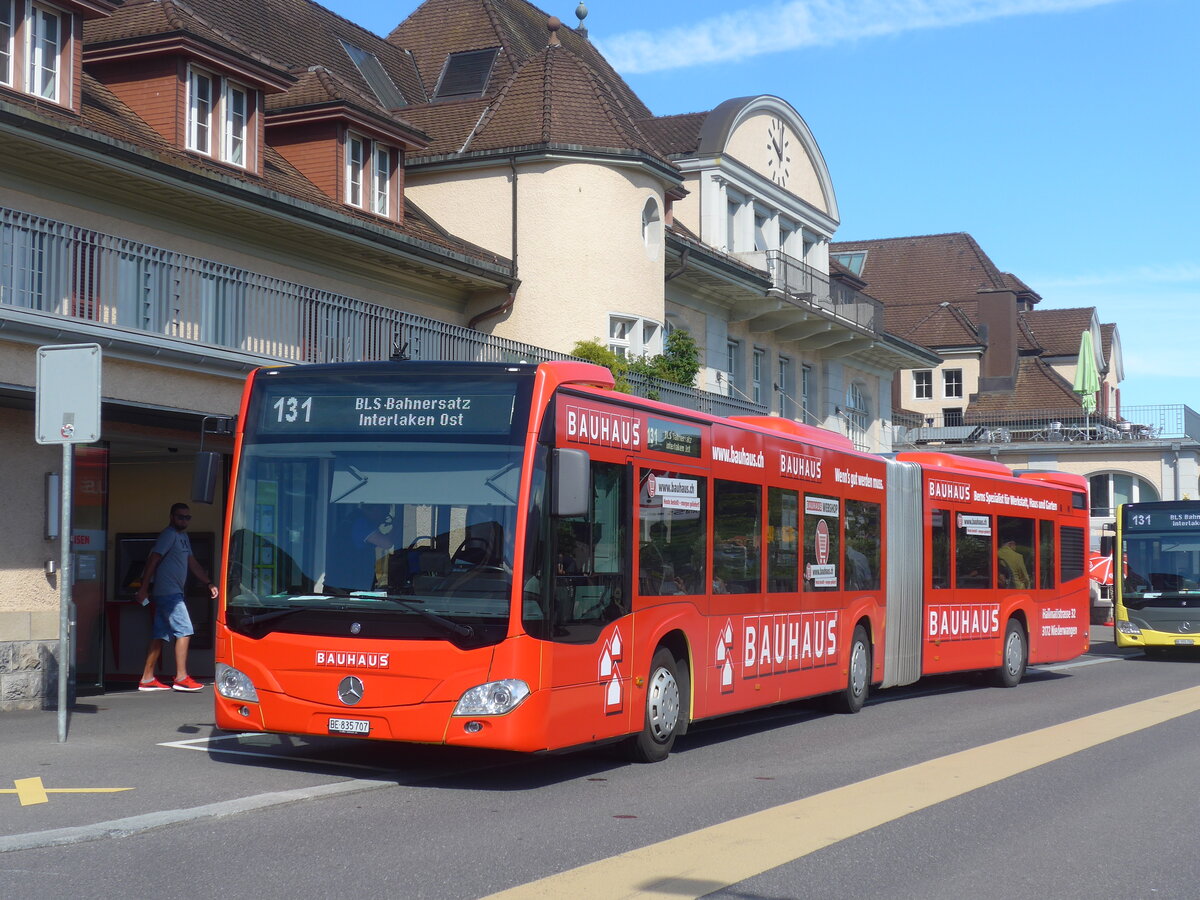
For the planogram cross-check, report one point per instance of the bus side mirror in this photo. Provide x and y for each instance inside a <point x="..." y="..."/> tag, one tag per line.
<point x="204" y="476"/>
<point x="571" y="488"/>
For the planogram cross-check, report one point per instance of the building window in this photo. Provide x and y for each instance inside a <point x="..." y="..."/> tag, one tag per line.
<point x="652" y="232"/>
<point x="857" y="415"/>
<point x="382" y="179"/>
<point x="952" y="417"/>
<point x="853" y="260"/>
<point x="733" y="365"/>
<point x="756" y="372"/>
<point x="731" y="219"/>
<point x="47" y="35"/>
<point x="218" y="118"/>
<point x="237" y="114"/>
<point x="806" y="387"/>
<point x="788" y="238"/>
<point x="6" y="41"/>
<point x="760" y="230"/>
<point x="200" y="108"/>
<point x="952" y="383"/>
<point x="369" y="172"/>
<point x="923" y="384"/>
<point x="787" y="406"/>
<point x="1110" y="489"/>
<point x="632" y="337"/>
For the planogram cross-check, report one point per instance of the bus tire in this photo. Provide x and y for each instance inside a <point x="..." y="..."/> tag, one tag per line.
<point x="663" y="712"/>
<point x="851" y="698"/>
<point x="1015" y="658"/>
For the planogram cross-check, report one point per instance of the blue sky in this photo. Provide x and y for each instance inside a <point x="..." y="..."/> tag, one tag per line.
<point x="1064" y="135"/>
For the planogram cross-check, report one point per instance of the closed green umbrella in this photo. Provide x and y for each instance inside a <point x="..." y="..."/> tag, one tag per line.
<point x="1087" y="376"/>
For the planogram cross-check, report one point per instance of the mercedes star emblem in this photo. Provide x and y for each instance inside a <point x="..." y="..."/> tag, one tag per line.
<point x="350" y="690"/>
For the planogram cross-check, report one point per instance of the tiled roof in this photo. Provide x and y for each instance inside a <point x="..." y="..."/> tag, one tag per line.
<point x="937" y="326"/>
<point x="927" y="269"/>
<point x="1058" y="330"/>
<point x="295" y="34"/>
<point x="319" y="86"/>
<point x="438" y="28"/>
<point x="674" y="135"/>
<point x="1107" y="332"/>
<point x="555" y="98"/>
<point x="1038" y="388"/>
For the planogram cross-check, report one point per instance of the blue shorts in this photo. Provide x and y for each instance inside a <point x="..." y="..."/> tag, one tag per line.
<point x="171" y="619"/>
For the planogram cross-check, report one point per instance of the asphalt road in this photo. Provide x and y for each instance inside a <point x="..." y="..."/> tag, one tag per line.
<point x="1075" y="784"/>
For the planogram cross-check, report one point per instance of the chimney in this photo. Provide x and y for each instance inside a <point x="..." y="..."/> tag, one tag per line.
<point x="997" y="312"/>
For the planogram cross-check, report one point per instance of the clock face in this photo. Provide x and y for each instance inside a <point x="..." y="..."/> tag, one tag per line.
<point x="778" y="158"/>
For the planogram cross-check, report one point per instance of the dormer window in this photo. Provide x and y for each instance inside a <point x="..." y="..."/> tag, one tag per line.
<point x="465" y="74"/>
<point x="218" y="122"/>
<point x="369" y="171"/>
<point x="46" y="37"/>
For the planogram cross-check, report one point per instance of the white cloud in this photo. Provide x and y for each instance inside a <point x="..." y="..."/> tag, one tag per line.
<point x="807" y="23"/>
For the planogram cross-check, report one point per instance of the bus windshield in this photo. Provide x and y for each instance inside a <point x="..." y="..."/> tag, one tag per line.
<point x="384" y="507"/>
<point x="1161" y="568"/>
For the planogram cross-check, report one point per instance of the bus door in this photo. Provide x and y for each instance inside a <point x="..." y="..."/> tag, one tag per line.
<point x="589" y="633"/>
<point x="962" y="607"/>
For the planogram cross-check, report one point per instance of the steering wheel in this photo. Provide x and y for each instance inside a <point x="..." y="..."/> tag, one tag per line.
<point x="463" y="553"/>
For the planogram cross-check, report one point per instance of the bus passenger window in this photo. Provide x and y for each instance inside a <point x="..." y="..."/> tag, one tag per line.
<point x="939" y="548"/>
<point x="862" y="545"/>
<point x="672" y="545"/>
<point x="783" y="540"/>
<point x="1046" y="554"/>
<point x="822" y="527"/>
<point x="736" y="537"/>
<point x="1014" y="553"/>
<point x="973" y="551"/>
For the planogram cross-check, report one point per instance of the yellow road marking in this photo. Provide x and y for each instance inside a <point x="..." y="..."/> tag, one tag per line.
<point x="714" y="858"/>
<point x="31" y="791"/>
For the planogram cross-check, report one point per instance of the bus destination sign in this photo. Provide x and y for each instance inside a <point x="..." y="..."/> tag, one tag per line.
<point x="673" y="437"/>
<point x="1143" y="518"/>
<point x="417" y="411"/>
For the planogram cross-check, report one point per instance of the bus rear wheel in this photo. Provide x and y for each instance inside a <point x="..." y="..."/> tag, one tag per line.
<point x="858" y="677"/>
<point x="663" y="716"/>
<point x="1016" y="656"/>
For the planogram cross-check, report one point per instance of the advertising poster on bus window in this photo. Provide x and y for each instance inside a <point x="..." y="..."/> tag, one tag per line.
<point x="821" y="551"/>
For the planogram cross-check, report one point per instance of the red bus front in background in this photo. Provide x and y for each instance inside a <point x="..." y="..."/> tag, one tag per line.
<point x="518" y="557"/>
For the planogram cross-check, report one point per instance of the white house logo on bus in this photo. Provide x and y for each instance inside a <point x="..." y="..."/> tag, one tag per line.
<point x="612" y="653"/>
<point x="724" y="657"/>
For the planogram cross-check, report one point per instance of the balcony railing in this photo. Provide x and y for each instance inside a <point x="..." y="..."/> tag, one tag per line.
<point x="64" y="271"/>
<point x="1065" y="426"/>
<point x="807" y="288"/>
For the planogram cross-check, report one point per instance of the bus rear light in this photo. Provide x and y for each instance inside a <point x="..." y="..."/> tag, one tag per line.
<point x="496" y="698"/>
<point x="1127" y="627"/>
<point x="234" y="684"/>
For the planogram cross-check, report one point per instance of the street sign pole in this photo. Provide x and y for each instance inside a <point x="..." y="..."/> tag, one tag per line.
<point x="67" y="413"/>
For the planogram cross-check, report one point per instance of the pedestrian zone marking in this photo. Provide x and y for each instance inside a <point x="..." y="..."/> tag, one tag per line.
<point x="31" y="791"/>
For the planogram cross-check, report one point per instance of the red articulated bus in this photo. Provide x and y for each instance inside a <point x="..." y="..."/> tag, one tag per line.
<point x="519" y="557"/>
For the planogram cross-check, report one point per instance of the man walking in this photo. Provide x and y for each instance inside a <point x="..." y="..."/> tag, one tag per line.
<point x="167" y="568"/>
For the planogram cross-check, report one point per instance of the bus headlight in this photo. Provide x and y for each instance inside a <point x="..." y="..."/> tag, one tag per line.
<point x="495" y="698"/>
<point x="234" y="684"/>
<point x="1126" y="627"/>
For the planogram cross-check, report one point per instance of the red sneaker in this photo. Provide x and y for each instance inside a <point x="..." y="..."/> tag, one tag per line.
<point x="153" y="685"/>
<point x="188" y="684"/>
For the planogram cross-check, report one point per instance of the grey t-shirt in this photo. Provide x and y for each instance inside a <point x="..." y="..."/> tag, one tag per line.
<point x="172" y="571"/>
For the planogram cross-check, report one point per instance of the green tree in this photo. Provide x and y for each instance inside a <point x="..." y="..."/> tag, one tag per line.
<point x="678" y="363"/>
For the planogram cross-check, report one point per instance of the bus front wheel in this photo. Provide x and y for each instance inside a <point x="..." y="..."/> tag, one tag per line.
<point x="664" y="713"/>
<point x="1016" y="656"/>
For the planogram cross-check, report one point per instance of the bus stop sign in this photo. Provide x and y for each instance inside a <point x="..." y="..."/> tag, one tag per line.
<point x="68" y="394"/>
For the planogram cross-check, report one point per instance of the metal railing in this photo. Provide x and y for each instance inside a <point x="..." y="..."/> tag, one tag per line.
<point x="805" y="287"/>
<point x="66" y="271"/>
<point x="1135" y="423"/>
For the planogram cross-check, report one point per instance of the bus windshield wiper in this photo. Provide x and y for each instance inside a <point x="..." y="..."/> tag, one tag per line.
<point x="414" y="607"/>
